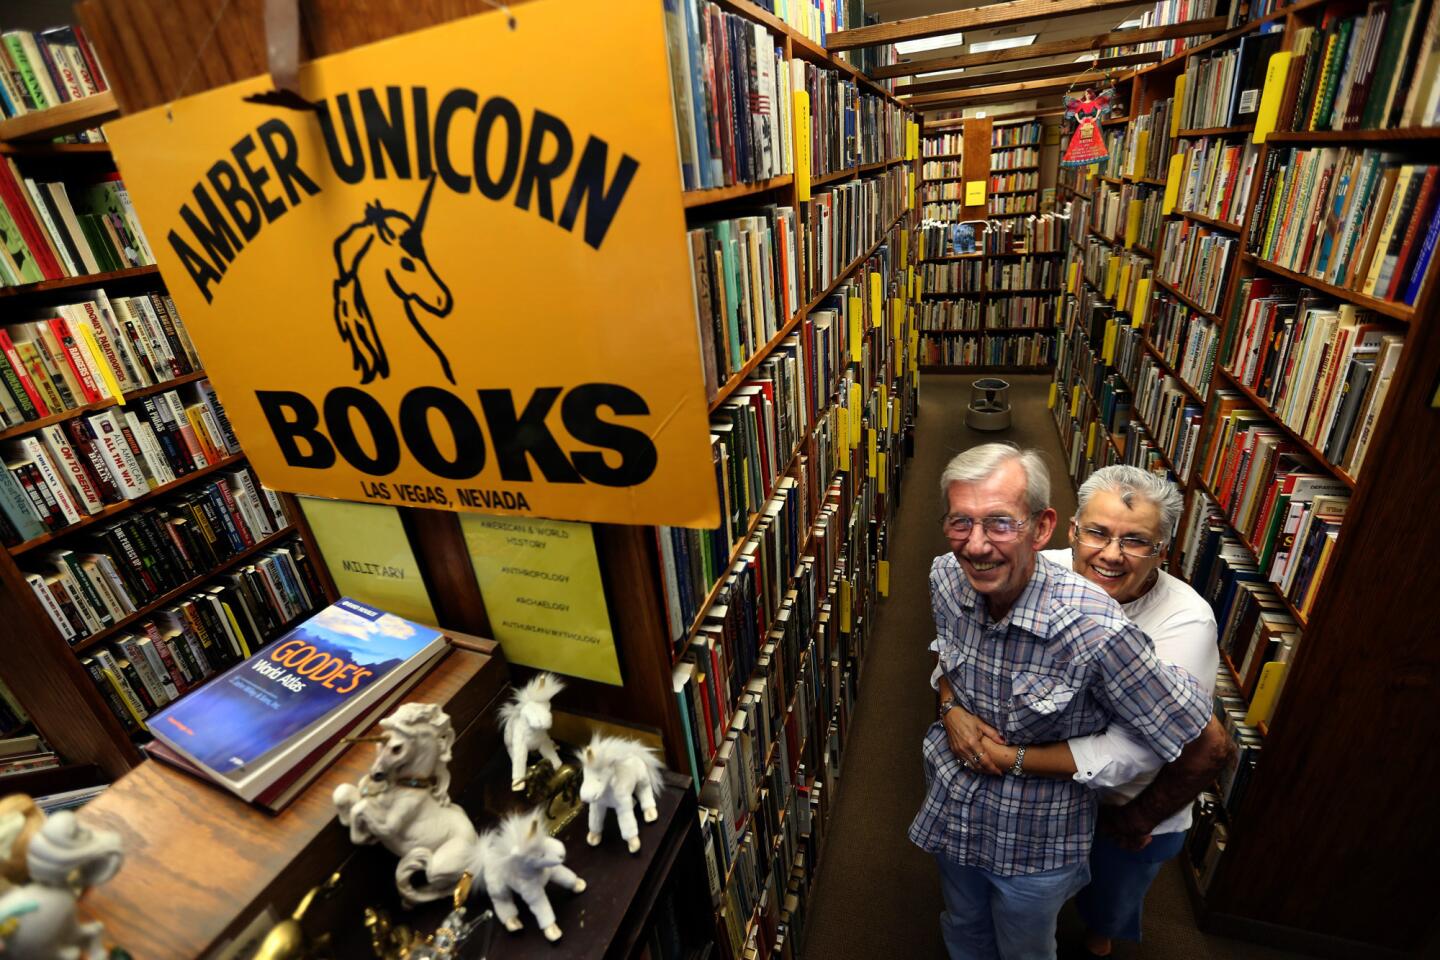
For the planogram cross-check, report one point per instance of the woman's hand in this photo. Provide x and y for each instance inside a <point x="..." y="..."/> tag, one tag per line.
<point x="967" y="735"/>
<point x="998" y="755"/>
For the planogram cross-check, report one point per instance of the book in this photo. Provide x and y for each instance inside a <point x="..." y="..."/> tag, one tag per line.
<point x="253" y="725"/>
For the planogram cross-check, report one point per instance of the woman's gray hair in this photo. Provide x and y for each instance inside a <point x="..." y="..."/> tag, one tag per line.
<point x="978" y="463"/>
<point x="1127" y="483"/>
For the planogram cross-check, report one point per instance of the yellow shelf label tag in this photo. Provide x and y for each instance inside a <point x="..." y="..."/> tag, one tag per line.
<point x="1075" y="397"/>
<point x="1274" y="91"/>
<point x="842" y="436"/>
<point x="1054" y="395"/>
<point x="802" y="145"/>
<point x="904" y="248"/>
<point x="877" y="305"/>
<point x="870" y="461"/>
<point x="974" y="193"/>
<point x="1142" y="302"/>
<point x="1132" y="222"/>
<point x="1172" y="184"/>
<point x="844" y="606"/>
<point x="882" y="569"/>
<point x="1074" y="276"/>
<point x="884" y="408"/>
<point x="857" y="410"/>
<point x="854" y="317"/>
<point x="1175" y="108"/>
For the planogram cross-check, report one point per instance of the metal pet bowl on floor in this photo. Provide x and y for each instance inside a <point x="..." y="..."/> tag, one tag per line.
<point x="989" y="407"/>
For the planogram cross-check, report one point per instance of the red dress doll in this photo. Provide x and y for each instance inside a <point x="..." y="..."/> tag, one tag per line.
<point x="1086" y="145"/>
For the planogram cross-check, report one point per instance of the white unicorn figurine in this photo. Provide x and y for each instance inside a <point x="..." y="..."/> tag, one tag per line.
<point x="618" y="771"/>
<point x="519" y="856"/>
<point x="63" y="858"/>
<point x="525" y="724"/>
<point x="404" y="804"/>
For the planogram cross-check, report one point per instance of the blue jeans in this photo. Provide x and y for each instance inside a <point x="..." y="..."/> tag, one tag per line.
<point x="1119" y="878"/>
<point x="989" y="917"/>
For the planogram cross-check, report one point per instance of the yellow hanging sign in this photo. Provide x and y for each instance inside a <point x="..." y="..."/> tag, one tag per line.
<point x="802" y="145"/>
<point x="1178" y="98"/>
<point x="974" y="193"/>
<point x="410" y="293"/>
<point x="855" y="318"/>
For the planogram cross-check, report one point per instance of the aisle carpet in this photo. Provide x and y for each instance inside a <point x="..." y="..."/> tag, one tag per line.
<point x="876" y="895"/>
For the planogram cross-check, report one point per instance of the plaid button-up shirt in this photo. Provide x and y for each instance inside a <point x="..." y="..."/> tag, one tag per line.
<point x="1064" y="662"/>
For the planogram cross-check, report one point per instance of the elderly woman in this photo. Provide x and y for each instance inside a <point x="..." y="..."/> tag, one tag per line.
<point x="1118" y="540"/>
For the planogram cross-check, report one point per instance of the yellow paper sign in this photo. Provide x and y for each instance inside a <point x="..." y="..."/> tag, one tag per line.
<point x="1075" y="397"/>
<point x="802" y="145"/>
<point x="540" y="580"/>
<point x="857" y="414"/>
<point x="1123" y="287"/>
<point x="1112" y="276"/>
<point x="884" y="406"/>
<point x="876" y="300"/>
<point x="1274" y="91"/>
<point x="1090" y="441"/>
<point x="1179" y="97"/>
<point x="904" y="248"/>
<point x="842" y="436"/>
<point x="1142" y="302"/>
<point x="910" y="183"/>
<point x="896" y="306"/>
<point x="870" y="460"/>
<point x="844" y="606"/>
<point x="855" y="317"/>
<point x="1074" y="276"/>
<point x="880" y="474"/>
<point x="1132" y="222"/>
<point x="383" y="316"/>
<point x="369" y="557"/>
<point x="1054" y="395"/>
<point x="882" y="575"/>
<point x="974" y="193"/>
<point x="1172" y="184"/>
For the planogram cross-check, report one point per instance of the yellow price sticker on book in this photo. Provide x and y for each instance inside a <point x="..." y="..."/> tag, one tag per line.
<point x="854" y="317"/>
<point x="882" y="568"/>
<point x="1273" y="92"/>
<point x="802" y="145"/>
<point x="1172" y="184"/>
<point x="974" y="193"/>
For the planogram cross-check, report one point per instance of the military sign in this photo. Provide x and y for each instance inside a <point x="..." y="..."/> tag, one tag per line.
<point x="460" y="282"/>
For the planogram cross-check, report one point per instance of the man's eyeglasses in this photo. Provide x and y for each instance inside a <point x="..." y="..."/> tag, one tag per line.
<point x="1131" y="546"/>
<point x="997" y="529"/>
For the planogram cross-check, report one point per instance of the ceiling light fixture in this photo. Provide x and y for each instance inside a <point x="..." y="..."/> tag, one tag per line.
<point x="907" y="47"/>
<point x="1005" y="44"/>
<point x="1132" y="22"/>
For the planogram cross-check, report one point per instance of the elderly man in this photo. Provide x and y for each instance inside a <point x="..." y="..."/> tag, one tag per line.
<point x="1040" y="655"/>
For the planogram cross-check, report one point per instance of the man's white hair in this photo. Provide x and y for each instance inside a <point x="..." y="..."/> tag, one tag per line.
<point x="979" y="463"/>
<point x="1129" y="482"/>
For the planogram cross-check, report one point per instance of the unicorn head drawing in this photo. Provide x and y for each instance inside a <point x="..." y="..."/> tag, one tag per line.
<point x="383" y="269"/>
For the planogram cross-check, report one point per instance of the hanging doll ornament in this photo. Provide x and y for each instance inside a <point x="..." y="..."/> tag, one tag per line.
<point x="1087" y="145"/>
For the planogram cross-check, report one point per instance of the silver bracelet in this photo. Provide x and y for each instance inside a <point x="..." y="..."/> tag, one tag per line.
<point x="1019" y="760"/>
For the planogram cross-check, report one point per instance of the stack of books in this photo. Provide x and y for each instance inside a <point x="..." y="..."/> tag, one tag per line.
<point x="48" y="68"/>
<point x="53" y="230"/>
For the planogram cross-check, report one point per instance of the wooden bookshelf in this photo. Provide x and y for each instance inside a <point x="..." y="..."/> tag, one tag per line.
<point x="60" y="120"/>
<point x="1389" y="308"/>
<point x="1185" y="299"/>
<point x="1166" y="367"/>
<point x="88" y="280"/>
<point x="1209" y="222"/>
<point x="701" y="198"/>
<point x="30" y="426"/>
<point x="1217" y="131"/>
<point x="1402" y="135"/>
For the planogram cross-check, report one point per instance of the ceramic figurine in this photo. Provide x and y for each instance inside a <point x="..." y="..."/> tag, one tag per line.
<point x="519" y="856"/>
<point x="404" y="804"/>
<point x="618" y="771"/>
<point x="63" y="858"/>
<point x="525" y="723"/>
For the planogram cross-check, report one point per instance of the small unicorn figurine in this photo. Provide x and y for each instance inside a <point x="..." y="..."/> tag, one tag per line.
<point x="618" y="771"/>
<point x="404" y="804"/>
<point x="518" y="856"/>
<point x="525" y="722"/>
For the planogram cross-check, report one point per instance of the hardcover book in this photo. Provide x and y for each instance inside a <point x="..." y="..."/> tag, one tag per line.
<point x="254" y="724"/>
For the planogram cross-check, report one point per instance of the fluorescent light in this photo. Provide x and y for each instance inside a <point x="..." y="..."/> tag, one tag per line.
<point x="1132" y="22"/>
<point x="941" y="74"/>
<point x="907" y="47"/>
<point x="1005" y="43"/>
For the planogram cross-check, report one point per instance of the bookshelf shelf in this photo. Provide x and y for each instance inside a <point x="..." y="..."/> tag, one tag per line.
<point x="1165" y="366"/>
<point x="1143" y="251"/>
<point x="1011" y="256"/>
<point x="1114" y="181"/>
<point x="1136" y="417"/>
<point x="1396" y="311"/>
<point x="1208" y="221"/>
<point x="165" y="598"/>
<point x="124" y="505"/>
<point x="984" y="330"/>
<point x="1114" y="121"/>
<point x="953" y="295"/>
<point x="1290" y="607"/>
<point x="729" y="386"/>
<point x="1183" y="298"/>
<point x="943" y="156"/>
<point x="20" y="429"/>
<point x="40" y="149"/>
<point x="983" y="368"/>
<point x="1289" y="431"/>
<point x="1008" y="193"/>
<point x="1011" y="216"/>
<point x="700" y="198"/>
<point x="953" y="257"/>
<point x="1400" y="135"/>
<point x="1217" y="131"/>
<point x="88" y="280"/>
<point x="1012" y="169"/>
<point x="1023" y="292"/>
<point x="62" y="119"/>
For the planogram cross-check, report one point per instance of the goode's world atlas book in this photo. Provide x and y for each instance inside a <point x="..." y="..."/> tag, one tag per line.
<point x="251" y="726"/>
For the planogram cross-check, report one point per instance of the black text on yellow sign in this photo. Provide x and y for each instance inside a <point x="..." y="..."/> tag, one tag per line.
<point x="460" y="281"/>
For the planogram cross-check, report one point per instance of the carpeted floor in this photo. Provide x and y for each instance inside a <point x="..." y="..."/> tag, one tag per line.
<point x="877" y="896"/>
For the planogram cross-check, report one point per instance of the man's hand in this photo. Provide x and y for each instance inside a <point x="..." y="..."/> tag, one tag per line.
<point x="967" y="733"/>
<point x="1122" y="825"/>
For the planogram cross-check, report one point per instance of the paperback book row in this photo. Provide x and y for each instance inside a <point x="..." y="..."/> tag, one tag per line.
<point x="848" y="125"/>
<point x="1139" y="450"/>
<point x="1148" y="147"/>
<point x="1167" y="12"/>
<point x="117" y="569"/>
<point x="1171" y="417"/>
<point x="1014" y="158"/>
<point x="1195" y="259"/>
<point x="180" y="648"/>
<point x="54" y="230"/>
<point x="781" y="433"/>
<point x="948" y="316"/>
<point x="730" y="82"/>
<point x="1286" y="511"/>
<point x="1023" y="273"/>
<point x="1366" y="67"/>
<point x="1215" y="177"/>
<point x="1045" y="233"/>
<point x="43" y="69"/>
<point x="1031" y="350"/>
<point x="1187" y="340"/>
<point x="1083" y="436"/>
<point x="934" y="170"/>
<point x="1222" y="89"/>
<point x="957" y="277"/>
<point x="1007" y="182"/>
<point x="1015" y="135"/>
<point x="942" y="145"/>
<point x="66" y="472"/>
<point x="815" y="19"/>
<point x="753" y="273"/>
<point x="93" y="351"/>
<point x="1019" y="312"/>
<point x="1232" y="711"/>
<point x="1365" y="220"/>
<point x="1209" y="835"/>
<point x="1009" y="205"/>
<point x="1321" y="368"/>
